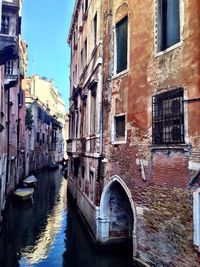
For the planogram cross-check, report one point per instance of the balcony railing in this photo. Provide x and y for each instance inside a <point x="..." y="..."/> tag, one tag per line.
<point x="82" y="146"/>
<point x="12" y="3"/>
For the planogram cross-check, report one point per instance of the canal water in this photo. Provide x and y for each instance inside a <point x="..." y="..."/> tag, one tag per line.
<point x="48" y="232"/>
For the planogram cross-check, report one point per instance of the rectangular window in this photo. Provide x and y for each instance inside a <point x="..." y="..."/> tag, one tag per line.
<point x="82" y="61"/>
<point x="120" y="128"/>
<point x="93" y="112"/>
<point x="43" y="138"/>
<point x="91" y="184"/>
<point x="5" y="23"/>
<point x="168" y="118"/>
<point x="83" y="172"/>
<point x="86" y="5"/>
<point x="168" y="23"/>
<point x="95" y="30"/>
<point x="85" y="52"/>
<point x="122" y="44"/>
<point x="9" y="67"/>
<point x="38" y="137"/>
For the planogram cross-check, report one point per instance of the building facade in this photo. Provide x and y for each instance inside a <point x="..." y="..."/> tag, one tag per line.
<point x="145" y="184"/>
<point x="48" y="94"/>
<point x="10" y="97"/>
<point x="85" y="120"/>
<point x="39" y="132"/>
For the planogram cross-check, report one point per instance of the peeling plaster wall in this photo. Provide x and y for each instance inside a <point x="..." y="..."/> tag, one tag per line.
<point x="157" y="177"/>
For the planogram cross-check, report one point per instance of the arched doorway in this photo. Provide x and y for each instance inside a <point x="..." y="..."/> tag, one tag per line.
<point x="117" y="214"/>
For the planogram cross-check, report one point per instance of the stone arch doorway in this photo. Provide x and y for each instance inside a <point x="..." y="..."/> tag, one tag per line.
<point x="117" y="214"/>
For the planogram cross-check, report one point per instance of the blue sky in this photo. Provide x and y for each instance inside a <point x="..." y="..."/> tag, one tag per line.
<point x="45" y="25"/>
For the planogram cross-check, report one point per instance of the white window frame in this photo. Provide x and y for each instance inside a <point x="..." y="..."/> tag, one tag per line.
<point x="113" y="138"/>
<point x="156" y="33"/>
<point x="196" y="218"/>
<point x="115" y="74"/>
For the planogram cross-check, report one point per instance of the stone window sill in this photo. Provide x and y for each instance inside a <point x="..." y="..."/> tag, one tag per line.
<point x="160" y="53"/>
<point x="184" y="147"/>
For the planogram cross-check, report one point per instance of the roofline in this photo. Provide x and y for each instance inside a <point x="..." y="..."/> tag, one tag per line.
<point x="73" y="21"/>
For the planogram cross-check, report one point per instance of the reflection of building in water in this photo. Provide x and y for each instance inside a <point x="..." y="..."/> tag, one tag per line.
<point x="41" y="249"/>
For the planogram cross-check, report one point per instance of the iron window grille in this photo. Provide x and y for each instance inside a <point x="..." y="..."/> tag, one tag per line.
<point x="168" y="118"/>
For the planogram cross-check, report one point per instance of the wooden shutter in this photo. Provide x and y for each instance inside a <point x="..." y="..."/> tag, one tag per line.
<point x="173" y="23"/>
<point x="122" y="44"/>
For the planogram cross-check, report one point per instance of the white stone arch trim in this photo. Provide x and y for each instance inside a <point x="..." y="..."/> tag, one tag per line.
<point x="116" y="178"/>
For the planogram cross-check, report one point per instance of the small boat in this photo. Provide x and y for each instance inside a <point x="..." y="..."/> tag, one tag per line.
<point x="30" y="181"/>
<point x="24" y="193"/>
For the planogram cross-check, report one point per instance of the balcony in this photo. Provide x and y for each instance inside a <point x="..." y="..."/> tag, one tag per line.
<point x="11" y="3"/>
<point x="76" y="146"/>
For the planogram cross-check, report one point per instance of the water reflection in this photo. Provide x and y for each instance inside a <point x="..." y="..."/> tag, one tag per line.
<point x="49" y="233"/>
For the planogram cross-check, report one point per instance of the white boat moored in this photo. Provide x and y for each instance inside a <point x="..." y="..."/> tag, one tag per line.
<point x="24" y="193"/>
<point x="30" y="180"/>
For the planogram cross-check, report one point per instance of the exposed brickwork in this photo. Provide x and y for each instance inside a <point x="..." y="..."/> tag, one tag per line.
<point x="165" y="225"/>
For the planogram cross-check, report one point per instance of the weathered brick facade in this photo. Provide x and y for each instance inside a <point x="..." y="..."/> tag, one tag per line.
<point x="155" y="176"/>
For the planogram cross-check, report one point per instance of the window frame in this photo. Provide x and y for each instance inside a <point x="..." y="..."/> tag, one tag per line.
<point x="114" y="140"/>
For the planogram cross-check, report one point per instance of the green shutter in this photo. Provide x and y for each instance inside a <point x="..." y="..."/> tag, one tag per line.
<point x="122" y="44"/>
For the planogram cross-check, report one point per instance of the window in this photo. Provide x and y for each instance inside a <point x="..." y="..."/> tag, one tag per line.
<point x="43" y="138"/>
<point x="86" y="5"/>
<point x="168" y="118"/>
<point x="85" y="52"/>
<point x="38" y="137"/>
<point x="9" y="67"/>
<point x="5" y="24"/>
<point x="83" y="172"/>
<point x="168" y="23"/>
<point x="82" y="61"/>
<point x="91" y="183"/>
<point x="196" y="217"/>
<point x="119" y="122"/>
<point x="95" y="29"/>
<point x="93" y="112"/>
<point x="121" y="44"/>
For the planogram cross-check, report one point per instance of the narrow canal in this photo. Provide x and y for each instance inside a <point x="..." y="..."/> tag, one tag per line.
<point x="49" y="232"/>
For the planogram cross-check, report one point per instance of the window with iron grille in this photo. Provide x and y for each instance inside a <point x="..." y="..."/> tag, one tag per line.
<point x="122" y="44"/>
<point x="9" y="67"/>
<point x="168" y="23"/>
<point x="168" y="118"/>
<point x="119" y="128"/>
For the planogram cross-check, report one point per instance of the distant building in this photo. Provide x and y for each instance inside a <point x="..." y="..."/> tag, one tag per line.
<point x="48" y="95"/>
<point x="39" y="141"/>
